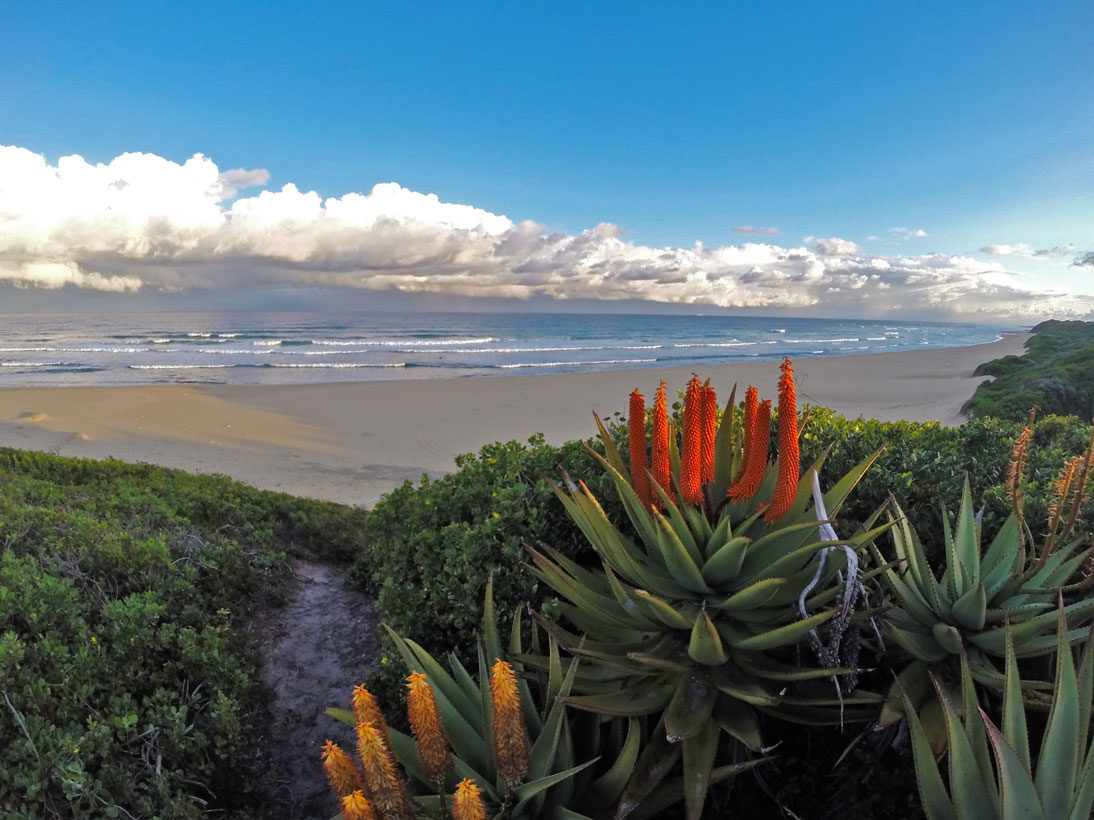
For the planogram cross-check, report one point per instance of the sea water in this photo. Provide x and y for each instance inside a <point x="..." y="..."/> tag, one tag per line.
<point x="301" y="348"/>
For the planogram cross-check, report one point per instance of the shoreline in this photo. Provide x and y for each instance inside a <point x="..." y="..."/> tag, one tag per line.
<point x="353" y="441"/>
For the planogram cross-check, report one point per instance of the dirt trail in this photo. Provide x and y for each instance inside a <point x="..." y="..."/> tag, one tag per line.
<point x="315" y="649"/>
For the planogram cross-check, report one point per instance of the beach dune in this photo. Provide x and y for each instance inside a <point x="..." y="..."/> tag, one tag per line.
<point x="351" y="442"/>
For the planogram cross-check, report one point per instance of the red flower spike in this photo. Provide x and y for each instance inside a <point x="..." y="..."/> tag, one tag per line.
<point x="661" y="465"/>
<point x="639" y="465"/>
<point x="786" y="487"/>
<point x="748" y="429"/>
<point x="691" y="465"/>
<point x="756" y="467"/>
<point x="710" y="431"/>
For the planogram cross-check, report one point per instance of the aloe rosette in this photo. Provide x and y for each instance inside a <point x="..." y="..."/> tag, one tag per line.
<point x="992" y="770"/>
<point x="695" y="622"/>
<point x="514" y="750"/>
<point x="965" y="610"/>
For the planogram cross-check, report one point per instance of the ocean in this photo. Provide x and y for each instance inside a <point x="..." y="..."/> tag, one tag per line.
<point x="302" y="348"/>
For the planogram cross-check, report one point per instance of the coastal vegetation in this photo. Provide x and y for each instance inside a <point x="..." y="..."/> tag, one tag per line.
<point x="127" y="592"/>
<point x="709" y="652"/>
<point x="1056" y="374"/>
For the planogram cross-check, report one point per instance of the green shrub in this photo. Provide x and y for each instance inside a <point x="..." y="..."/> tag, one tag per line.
<point x="1056" y="373"/>
<point x="125" y="684"/>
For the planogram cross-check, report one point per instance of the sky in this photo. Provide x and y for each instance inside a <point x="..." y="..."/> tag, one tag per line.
<point x="873" y="159"/>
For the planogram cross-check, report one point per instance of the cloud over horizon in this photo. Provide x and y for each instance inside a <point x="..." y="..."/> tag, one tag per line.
<point x="144" y="222"/>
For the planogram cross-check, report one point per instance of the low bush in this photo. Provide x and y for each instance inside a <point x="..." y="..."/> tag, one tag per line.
<point x="125" y="686"/>
<point x="1056" y="373"/>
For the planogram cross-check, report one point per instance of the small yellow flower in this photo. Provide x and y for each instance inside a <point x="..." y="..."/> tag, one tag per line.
<point x="94" y="639"/>
<point x="467" y="803"/>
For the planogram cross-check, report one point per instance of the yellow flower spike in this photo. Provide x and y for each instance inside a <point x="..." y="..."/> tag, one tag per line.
<point x="384" y="783"/>
<point x="355" y="806"/>
<point x="510" y="735"/>
<point x="342" y="774"/>
<point x="421" y="708"/>
<point x="467" y="803"/>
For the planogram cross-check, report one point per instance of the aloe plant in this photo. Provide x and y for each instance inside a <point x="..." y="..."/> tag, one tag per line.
<point x="1056" y="784"/>
<point x="696" y="623"/>
<point x="578" y="764"/>
<point x="964" y="609"/>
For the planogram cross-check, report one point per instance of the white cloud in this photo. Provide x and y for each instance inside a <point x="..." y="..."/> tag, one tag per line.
<point x="141" y="221"/>
<point x="235" y="179"/>
<point x="1085" y="260"/>
<point x="833" y="246"/>
<point x="757" y="231"/>
<point x="1027" y="251"/>
<point x="908" y="233"/>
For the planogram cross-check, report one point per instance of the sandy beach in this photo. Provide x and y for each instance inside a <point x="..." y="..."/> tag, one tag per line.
<point x="351" y="442"/>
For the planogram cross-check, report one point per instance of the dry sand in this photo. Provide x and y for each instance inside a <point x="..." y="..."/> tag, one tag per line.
<point x="351" y="442"/>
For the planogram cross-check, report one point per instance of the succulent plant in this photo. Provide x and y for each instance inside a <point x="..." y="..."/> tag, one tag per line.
<point x="515" y="748"/>
<point x="1057" y="784"/>
<point x="698" y="622"/>
<point x="964" y="611"/>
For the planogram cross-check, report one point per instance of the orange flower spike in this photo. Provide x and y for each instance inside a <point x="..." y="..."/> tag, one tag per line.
<point x="748" y="429"/>
<point x="639" y="464"/>
<point x="710" y="430"/>
<point x="661" y="464"/>
<point x="786" y="487"/>
<point x="510" y="735"/>
<point x="355" y="806"/>
<point x="421" y="708"/>
<point x="691" y="465"/>
<point x="467" y="802"/>
<point x="342" y="774"/>
<point x="756" y="468"/>
<point x="384" y="783"/>
<point x="366" y="710"/>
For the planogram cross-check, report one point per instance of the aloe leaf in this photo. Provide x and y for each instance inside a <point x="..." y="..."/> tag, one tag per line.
<point x="490" y="621"/>
<point x="656" y="761"/>
<point x="1003" y="548"/>
<point x="699" y="754"/>
<point x="672" y="791"/>
<point x="932" y="792"/>
<point x="719" y="536"/>
<point x="911" y="685"/>
<point x="978" y="739"/>
<point x="1014" y="709"/>
<point x="754" y="595"/>
<point x="690" y="707"/>
<point x="784" y="635"/>
<point x="644" y="698"/>
<point x="837" y="494"/>
<point x="614" y="457"/>
<point x="678" y="560"/>
<point x="743" y="689"/>
<point x="967" y="542"/>
<point x="607" y="788"/>
<point x="725" y="447"/>
<point x="777" y="544"/>
<point x="971" y="609"/>
<point x="526" y="791"/>
<point x="917" y="644"/>
<point x="705" y="646"/>
<point x="1083" y="805"/>
<point x="1058" y="761"/>
<point x="725" y="564"/>
<point x="1018" y="793"/>
<point x="738" y="719"/>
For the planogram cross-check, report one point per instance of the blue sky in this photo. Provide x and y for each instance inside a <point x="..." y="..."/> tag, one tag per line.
<point x="972" y="124"/>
